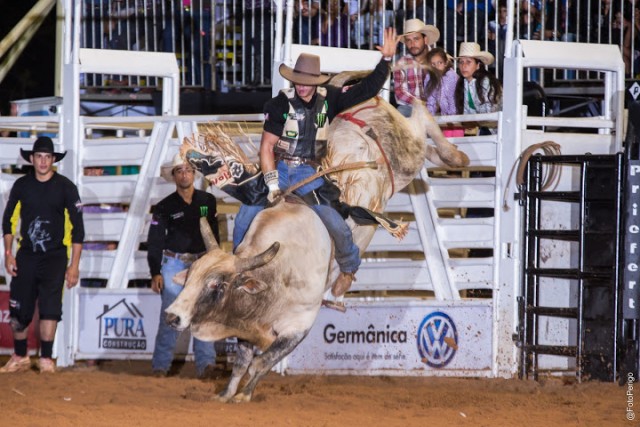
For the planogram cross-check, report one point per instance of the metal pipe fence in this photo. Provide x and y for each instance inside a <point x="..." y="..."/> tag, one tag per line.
<point x="228" y="44"/>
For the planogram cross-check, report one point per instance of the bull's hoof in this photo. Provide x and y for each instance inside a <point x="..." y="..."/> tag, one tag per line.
<point x="222" y="398"/>
<point x="454" y="158"/>
<point x="241" y="398"/>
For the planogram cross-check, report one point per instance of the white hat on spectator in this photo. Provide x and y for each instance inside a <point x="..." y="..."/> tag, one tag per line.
<point x="417" y="26"/>
<point x="472" y="50"/>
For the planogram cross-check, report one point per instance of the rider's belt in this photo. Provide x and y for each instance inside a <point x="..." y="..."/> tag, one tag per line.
<point x="184" y="257"/>
<point x="297" y="161"/>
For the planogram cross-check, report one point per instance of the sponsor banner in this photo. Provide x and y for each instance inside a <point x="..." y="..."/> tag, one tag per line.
<point x="6" y="335"/>
<point x="117" y="322"/>
<point x="398" y="337"/>
<point x="631" y="251"/>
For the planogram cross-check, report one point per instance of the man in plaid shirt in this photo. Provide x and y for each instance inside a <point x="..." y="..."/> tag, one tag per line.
<point x="408" y="74"/>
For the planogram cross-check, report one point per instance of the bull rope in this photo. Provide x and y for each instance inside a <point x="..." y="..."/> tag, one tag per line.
<point x="396" y="229"/>
<point x="323" y="172"/>
<point x="351" y="117"/>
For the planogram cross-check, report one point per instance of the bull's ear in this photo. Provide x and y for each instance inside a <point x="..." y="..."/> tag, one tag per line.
<point x="180" y="278"/>
<point x="252" y="286"/>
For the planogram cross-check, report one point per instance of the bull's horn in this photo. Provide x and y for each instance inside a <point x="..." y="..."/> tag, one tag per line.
<point x="207" y="235"/>
<point x="246" y="264"/>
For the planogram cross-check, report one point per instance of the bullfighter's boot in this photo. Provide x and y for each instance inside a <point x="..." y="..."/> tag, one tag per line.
<point x="16" y="364"/>
<point x="46" y="365"/>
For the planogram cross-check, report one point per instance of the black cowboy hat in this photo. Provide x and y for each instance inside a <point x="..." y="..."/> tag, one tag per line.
<point x="43" y="144"/>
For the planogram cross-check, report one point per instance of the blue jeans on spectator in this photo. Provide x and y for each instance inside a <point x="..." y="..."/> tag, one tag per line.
<point x="347" y="253"/>
<point x="166" y="338"/>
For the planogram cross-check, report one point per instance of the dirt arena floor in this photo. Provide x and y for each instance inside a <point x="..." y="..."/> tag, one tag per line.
<point x="126" y="394"/>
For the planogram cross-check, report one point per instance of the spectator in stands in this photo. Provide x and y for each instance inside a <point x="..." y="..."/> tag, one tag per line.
<point x="630" y="21"/>
<point x="602" y="18"/>
<point x="197" y="40"/>
<point x="306" y="26"/>
<point x="174" y="242"/>
<point x="409" y="72"/>
<point x="257" y="37"/>
<point x="334" y="29"/>
<point x="417" y="9"/>
<point x="466" y="21"/>
<point x="47" y="205"/>
<point x="497" y="35"/>
<point x="375" y="16"/>
<point x="440" y="91"/>
<point x="478" y="91"/>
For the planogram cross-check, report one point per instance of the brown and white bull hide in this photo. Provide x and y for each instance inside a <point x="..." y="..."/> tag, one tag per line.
<point x="376" y="131"/>
<point x="265" y="299"/>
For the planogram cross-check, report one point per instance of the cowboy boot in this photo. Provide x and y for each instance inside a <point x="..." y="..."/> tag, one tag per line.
<point x="342" y="283"/>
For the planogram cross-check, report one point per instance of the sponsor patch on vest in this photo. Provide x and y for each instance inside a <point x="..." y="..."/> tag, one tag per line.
<point x="296" y="116"/>
<point x="284" y="145"/>
<point x="177" y="215"/>
<point x="321" y="119"/>
<point x="291" y="134"/>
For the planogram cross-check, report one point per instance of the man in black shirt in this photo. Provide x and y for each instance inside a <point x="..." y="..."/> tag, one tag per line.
<point x="294" y="141"/>
<point x="174" y="242"/>
<point x="41" y="199"/>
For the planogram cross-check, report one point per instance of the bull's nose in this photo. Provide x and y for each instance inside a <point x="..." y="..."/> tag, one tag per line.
<point x="172" y="320"/>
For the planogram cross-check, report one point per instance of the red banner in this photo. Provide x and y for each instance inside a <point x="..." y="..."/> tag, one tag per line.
<point x="6" y="336"/>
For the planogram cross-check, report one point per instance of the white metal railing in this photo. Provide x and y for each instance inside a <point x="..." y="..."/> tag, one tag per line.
<point x="221" y="44"/>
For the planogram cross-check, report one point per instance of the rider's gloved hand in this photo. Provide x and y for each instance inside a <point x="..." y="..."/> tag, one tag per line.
<point x="273" y="195"/>
<point x="271" y="179"/>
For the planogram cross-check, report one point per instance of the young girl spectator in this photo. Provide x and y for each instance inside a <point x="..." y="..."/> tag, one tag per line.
<point x="440" y="92"/>
<point x="478" y="91"/>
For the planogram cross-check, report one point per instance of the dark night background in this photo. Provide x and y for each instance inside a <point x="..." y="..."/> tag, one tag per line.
<point x="33" y="74"/>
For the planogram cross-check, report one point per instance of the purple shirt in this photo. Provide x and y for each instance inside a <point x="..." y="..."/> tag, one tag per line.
<point x="442" y="101"/>
<point x="338" y="31"/>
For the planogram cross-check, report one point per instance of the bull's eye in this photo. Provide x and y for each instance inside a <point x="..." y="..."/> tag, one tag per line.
<point x="213" y="284"/>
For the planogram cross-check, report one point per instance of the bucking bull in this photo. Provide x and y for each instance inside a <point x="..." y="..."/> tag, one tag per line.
<point x="268" y="293"/>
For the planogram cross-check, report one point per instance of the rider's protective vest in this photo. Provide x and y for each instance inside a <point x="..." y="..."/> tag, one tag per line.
<point x="305" y="129"/>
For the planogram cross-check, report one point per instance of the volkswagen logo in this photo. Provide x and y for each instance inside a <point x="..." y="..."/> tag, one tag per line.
<point x="437" y="339"/>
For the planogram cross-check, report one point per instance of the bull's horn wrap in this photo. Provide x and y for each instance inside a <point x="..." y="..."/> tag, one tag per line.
<point x="247" y="264"/>
<point x="210" y="241"/>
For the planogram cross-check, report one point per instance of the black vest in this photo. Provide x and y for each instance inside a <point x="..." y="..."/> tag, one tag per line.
<point x="305" y="130"/>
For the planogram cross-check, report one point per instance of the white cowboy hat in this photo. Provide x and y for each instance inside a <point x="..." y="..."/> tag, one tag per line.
<point x="472" y="50"/>
<point x="417" y="26"/>
<point x="166" y="170"/>
<point x="305" y="72"/>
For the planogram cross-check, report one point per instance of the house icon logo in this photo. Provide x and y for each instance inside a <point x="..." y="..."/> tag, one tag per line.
<point x="122" y="327"/>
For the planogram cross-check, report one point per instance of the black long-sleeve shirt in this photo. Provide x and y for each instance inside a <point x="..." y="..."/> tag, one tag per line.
<point x="42" y="212"/>
<point x="175" y="226"/>
<point x="337" y="99"/>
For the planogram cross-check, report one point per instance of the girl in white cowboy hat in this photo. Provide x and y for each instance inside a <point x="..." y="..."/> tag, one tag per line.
<point x="478" y="91"/>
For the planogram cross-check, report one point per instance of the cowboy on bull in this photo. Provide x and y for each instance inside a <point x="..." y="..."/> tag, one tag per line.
<point x="294" y="141"/>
